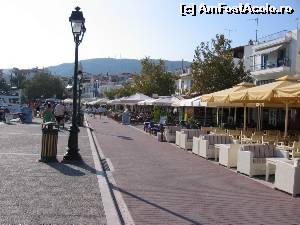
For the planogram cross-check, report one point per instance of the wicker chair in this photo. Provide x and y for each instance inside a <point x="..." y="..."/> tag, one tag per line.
<point x="256" y="138"/>
<point x="273" y="132"/>
<point x="236" y="134"/>
<point x="295" y="153"/>
<point x="269" y="139"/>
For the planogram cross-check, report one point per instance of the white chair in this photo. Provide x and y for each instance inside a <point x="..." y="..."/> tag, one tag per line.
<point x="207" y="144"/>
<point x="228" y="154"/>
<point x="170" y="133"/>
<point x="186" y="141"/>
<point x="287" y="177"/>
<point x="252" y="158"/>
<point x="178" y="136"/>
<point x="195" y="147"/>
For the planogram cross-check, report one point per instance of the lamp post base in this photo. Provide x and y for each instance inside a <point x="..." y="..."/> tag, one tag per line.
<point x="72" y="153"/>
<point x="71" y="156"/>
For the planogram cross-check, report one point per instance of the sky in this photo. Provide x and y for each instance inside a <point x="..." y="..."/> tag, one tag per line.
<point x="37" y="33"/>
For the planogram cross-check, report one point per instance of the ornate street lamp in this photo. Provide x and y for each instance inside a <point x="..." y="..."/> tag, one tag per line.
<point x="79" y="114"/>
<point x="78" y="29"/>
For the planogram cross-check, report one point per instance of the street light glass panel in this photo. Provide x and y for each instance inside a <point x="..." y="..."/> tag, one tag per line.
<point x="76" y="27"/>
<point x="80" y="75"/>
<point x="77" y="23"/>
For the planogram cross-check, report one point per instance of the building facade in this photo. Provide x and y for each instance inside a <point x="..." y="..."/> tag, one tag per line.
<point x="185" y="82"/>
<point x="96" y="86"/>
<point x="274" y="56"/>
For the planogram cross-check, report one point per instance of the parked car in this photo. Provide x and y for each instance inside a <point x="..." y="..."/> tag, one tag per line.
<point x="12" y="103"/>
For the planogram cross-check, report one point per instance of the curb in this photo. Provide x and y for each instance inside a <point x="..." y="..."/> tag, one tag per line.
<point x="111" y="213"/>
<point x="115" y="208"/>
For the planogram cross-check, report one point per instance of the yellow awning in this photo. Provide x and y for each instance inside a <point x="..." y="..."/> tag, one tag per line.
<point x="292" y="91"/>
<point x="222" y="96"/>
<point x="263" y="93"/>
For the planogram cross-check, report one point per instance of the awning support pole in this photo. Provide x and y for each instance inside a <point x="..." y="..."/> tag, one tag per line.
<point x="286" y="119"/>
<point x="245" y="117"/>
<point x="218" y="116"/>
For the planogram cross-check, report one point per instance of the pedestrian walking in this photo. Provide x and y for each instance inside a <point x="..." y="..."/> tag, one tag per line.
<point x="59" y="113"/>
<point x="99" y="112"/>
<point x="94" y="110"/>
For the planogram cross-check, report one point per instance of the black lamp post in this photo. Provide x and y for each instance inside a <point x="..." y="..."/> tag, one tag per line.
<point x="78" y="29"/>
<point x="79" y="114"/>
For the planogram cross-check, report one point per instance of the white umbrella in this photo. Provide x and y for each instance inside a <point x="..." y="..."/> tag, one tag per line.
<point x="167" y="101"/>
<point x="147" y="102"/>
<point x="134" y="99"/>
<point x="189" y="102"/>
<point x="68" y="101"/>
<point x="99" y="101"/>
<point x="115" y="101"/>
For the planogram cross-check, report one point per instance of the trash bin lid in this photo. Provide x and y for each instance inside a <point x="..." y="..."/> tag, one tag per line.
<point x="48" y="126"/>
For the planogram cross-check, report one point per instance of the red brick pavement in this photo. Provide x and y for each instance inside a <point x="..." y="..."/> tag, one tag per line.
<point x="162" y="184"/>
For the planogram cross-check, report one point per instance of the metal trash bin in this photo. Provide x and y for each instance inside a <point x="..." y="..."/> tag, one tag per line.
<point x="49" y="142"/>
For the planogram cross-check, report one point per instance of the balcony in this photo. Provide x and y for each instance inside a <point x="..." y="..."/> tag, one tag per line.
<point x="271" y="69"/>
<point x="273" y="39"/>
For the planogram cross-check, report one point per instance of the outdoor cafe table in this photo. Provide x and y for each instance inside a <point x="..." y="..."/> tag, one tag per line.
<point x="273" y="162"/>
<point x="218" y="146"/>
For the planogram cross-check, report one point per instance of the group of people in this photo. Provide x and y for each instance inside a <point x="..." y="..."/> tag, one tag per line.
<point x="93" y="111"/>
<point x="58" y="113"/>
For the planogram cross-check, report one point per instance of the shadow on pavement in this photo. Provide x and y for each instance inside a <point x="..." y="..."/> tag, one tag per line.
<point x="155" y="205"/>
<point x="65" y="169"/>
<point x="85" y="166"/>
<point x="124" y="137"/>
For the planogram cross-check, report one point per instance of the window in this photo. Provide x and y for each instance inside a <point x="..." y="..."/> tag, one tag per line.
<point x="264" y="61"/>
<point x="273" y="117"/>
<point x="281" y="60"/>
<point x="182" y="84"/>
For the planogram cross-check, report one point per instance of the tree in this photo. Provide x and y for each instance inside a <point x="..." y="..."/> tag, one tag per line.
<point x="43" y="84"/>
<point x="213" y="68"/>
<point x="124" y="91"/>
<point x="4" y="87"/>
<point x="154" y="79"/>
<point x="18" y="79"/>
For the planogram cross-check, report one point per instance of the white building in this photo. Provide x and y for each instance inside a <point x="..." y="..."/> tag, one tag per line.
<point x="274" y="56"/>
<point x="185" y="82"/>
<point x="243" y="53"/>
<point x="96" y="88"/>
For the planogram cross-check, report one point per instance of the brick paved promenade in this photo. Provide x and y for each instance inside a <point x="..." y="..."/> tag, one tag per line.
<point x="162" y="184"/>
<point x="37" y="193"/>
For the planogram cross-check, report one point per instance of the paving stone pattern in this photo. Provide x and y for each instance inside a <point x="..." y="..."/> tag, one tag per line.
<point x="162" y="184"/>
<point x="38" y="193"/>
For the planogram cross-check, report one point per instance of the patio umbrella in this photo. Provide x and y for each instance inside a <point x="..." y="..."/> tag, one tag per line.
<point x="134" y="99"/>
<point x="265" y="94"/>
<point x="222" y="97"/>
<point x="167" y="101"/>
<point x="99" y="101"/>
<point x="116" y="101"/>
<point x="68" y="101"/>
<point x="147" y="102"/>
<point x="188" y="102"/>
<point x="289" y="95"/>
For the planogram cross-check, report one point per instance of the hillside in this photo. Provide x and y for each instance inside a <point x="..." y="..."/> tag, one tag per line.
<point x="110" y="66"/>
